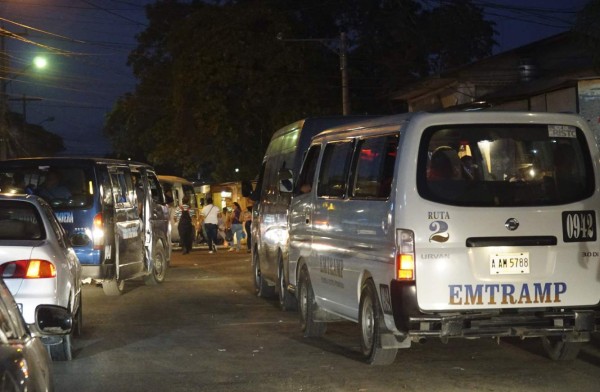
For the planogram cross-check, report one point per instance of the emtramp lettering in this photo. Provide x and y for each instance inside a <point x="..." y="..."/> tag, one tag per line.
<point x="506" y="294"/>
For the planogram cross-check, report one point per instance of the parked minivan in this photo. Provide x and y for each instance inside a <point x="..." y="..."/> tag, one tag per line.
<point x="449" y="225"/>
<point x="177" y="187"/>
<point x="271" y="202"/>
<point x="114" y="212"/>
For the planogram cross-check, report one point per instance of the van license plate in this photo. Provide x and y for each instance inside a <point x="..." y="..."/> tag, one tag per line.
<point x="509" y="263"/>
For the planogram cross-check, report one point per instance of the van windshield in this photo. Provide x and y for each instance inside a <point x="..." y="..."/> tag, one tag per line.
<point x="61" y="186"/>
<point x="504" y="165"/>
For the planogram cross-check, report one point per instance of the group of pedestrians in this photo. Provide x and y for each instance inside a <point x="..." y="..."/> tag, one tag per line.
<point x="215" y="223"/>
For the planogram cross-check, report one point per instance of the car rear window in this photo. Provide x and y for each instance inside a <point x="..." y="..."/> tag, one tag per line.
<point x="20" y="221"/>
<point x="504" y="165"/>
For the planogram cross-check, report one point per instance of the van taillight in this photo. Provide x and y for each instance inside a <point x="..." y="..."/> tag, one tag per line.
<point x="27" y="269"/>
<point x="405" y="257"/>
<point x="98" y="231"/>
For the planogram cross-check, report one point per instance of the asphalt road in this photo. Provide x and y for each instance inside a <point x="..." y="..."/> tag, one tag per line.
<point x="203" y="329"/>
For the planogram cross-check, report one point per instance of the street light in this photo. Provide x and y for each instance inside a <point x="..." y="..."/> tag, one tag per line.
<point x="343" y="53"/>
<point x="40" y="62"/>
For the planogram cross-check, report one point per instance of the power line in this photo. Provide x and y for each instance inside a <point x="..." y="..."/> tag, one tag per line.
<point x="40" y="31"/>
<point x="113" y="13"/>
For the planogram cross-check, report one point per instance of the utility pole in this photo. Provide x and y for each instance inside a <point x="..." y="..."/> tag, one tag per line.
<point x="344" y="70"/>
<point x="3" y="101"/>
<point x="24" y="99"/>
<point x="342" y="52"/>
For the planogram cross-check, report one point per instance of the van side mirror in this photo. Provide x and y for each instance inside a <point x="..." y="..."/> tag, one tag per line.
<point x="285" y="176"/>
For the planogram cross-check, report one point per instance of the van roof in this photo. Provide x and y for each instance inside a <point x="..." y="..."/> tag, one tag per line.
<point x="314" y="125"/>
<point x="171" y="179"/>
<point x="466" y="117"/>
<point x="80" y="160"/>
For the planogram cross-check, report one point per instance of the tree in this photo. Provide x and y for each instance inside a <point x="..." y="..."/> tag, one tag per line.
<point x="587" y="26"/>
<point x="456" y="34"/>
<point x="215" y="83"/>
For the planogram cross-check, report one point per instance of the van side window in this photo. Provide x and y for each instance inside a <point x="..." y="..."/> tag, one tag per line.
<point x="334" y="169"/>
<point x="270" y="181"/>
<point x="375" y="167"/>
<point x="307" y="173"/>
<point x="156" y="189"/>
<point x="258" y="190"/>
<point x="122" y="188"/>
<point x="189" y="192"/>
<point x="106" y="191"/>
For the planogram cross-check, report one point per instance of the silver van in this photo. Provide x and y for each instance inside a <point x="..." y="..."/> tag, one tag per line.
<point x="271" y="202"/>
<point x="449" y="225"/>
<point x="177" y="187"/>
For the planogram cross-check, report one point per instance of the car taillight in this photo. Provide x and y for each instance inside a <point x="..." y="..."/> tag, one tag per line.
<point x="405" y="257"/>
<point x="28" y="269"/>
<point x="98" y="231"/>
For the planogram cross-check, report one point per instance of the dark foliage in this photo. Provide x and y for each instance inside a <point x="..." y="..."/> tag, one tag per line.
<point x="215" y="82"/>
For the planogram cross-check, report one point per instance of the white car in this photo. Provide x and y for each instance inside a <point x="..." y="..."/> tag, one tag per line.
<point x="38" y="264"/>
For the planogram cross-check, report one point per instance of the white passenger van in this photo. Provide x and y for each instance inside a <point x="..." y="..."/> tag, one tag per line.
<point x="270" y="212"/>
<point x="450" y="225"/>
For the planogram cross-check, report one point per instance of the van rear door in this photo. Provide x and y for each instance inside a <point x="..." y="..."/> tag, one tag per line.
<point x="507" y="217"/>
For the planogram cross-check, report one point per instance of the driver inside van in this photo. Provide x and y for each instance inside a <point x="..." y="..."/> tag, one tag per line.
<point x="52" y="189"/>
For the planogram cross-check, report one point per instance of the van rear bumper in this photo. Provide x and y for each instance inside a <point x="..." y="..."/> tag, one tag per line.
<point x="575" y="324"/>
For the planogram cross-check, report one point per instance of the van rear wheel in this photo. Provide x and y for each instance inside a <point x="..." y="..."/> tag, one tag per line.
<point x="159" y="267"/>
<point x="261" y="286"/>
<point x="370" y="318"/>
<point x="559" y="350"/>
<point x="307" y="306"/>
<point x="113" y="287"/>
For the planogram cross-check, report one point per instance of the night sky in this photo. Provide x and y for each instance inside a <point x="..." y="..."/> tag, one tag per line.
<point x="80" y="87"/>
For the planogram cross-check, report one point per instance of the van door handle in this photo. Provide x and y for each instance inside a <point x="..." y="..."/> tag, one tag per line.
<point x="307" y="219"/>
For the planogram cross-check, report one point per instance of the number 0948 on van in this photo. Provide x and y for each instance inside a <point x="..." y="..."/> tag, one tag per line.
<point x="449" y="225"/>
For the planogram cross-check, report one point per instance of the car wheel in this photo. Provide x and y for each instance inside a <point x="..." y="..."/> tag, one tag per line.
<point x="559" y="350"/>
<point x="261" y="287"/>
<point x="307" y="306"/>
<point x="370" y="318"/>
<point x="159" y="267"/>
<point x="286" y="300"/>
<point x="78" y="318"/>
<point x="62" y="351"/>
<point x="113" y="287"/>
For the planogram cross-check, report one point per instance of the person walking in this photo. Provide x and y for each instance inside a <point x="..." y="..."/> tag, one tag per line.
<point x="247" y="219"/>
<point x="237" y="227"/>
<point x="224" y="230"/>
<point x="183" y="215"/>
<point x="211" y="223"/>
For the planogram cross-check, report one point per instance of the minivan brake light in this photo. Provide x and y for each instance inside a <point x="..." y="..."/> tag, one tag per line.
<point x="405" y="256"/>
<point x="98" y="231"/>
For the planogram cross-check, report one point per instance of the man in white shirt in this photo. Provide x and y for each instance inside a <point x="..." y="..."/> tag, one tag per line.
<point x="211" y="222"/>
